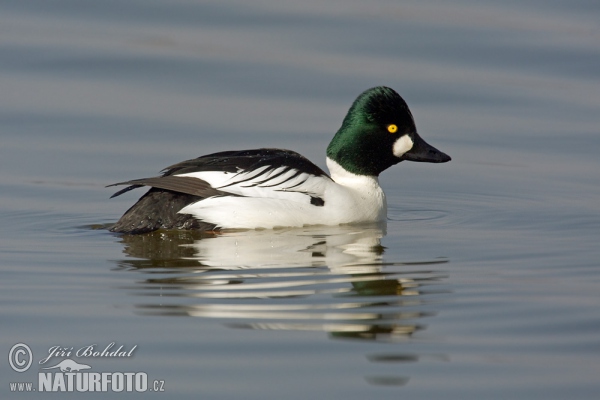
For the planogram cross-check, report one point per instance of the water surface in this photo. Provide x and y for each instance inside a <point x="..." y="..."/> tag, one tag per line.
<point x="482" y="284"/>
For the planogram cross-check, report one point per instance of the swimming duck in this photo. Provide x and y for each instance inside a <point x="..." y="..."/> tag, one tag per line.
<point x="268" y="188"/>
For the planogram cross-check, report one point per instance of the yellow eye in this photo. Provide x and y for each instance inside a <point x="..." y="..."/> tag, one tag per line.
<point x="392" y="128"/>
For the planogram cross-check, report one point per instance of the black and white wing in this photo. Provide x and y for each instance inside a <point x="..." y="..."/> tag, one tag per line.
<point x="259" y="174"/>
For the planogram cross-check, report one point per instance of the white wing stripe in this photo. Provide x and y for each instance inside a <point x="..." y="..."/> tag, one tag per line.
<point x="267" y="182"/>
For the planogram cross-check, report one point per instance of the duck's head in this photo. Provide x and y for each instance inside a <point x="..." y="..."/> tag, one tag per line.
<point x="378" y="132"/>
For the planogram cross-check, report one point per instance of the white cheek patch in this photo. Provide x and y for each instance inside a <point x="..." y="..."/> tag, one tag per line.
<point x="402" y="145"/>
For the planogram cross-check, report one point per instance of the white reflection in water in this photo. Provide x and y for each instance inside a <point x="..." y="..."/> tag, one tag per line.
<point x="331" y="279"/>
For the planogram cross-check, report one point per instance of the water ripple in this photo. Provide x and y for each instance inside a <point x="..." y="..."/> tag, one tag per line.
<point x="329" y="279"/>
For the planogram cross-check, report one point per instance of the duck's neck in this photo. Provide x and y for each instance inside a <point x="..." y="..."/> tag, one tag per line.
<point x="343" y="177"/>
<point x="359" y="193"/>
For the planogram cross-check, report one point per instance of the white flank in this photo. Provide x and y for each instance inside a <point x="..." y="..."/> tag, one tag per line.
<point x="279" y="203"/>
<point x="402" y="145"/>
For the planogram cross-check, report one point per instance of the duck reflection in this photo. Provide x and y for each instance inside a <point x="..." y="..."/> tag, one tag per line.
<point x="330" y="279"/>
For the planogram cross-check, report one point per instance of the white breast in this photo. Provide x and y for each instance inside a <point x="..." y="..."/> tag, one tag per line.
<point x="355" y="198"/>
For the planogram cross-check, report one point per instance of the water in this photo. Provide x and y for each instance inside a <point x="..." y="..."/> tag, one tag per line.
<point x="483" y="284"/>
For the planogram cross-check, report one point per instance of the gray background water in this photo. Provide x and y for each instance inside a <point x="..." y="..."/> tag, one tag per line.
<point x="487" y="282"/>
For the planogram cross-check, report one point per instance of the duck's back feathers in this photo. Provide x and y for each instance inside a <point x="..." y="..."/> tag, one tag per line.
<point x="236" y="160"/>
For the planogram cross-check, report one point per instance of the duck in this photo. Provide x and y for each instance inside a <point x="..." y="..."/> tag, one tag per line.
<point x="269" y="188"/>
